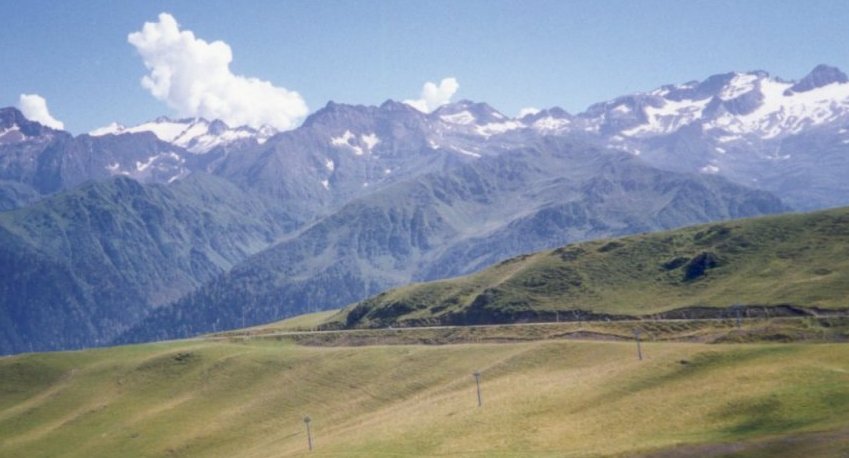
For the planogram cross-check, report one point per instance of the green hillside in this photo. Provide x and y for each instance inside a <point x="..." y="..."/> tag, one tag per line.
<point x="547" y="398"/>
<point x="800" y="260"/>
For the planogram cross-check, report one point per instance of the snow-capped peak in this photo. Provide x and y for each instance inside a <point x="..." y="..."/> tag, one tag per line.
<point x="197" y="135"/>
<point x="112" y="129"/>
<point x="468" y="112"/>
<point x="731" y="105"/>
<point x="470" y="117"/>
<point x="740" y="84"/>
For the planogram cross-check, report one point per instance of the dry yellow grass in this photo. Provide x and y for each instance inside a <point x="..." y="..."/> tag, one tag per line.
<point x="554" y="398"/>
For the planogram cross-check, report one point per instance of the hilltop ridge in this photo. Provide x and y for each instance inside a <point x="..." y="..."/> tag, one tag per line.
<point x="795" y="261"/>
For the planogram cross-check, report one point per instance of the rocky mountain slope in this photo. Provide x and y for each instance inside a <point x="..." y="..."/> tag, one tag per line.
<point x="80" y="267"/>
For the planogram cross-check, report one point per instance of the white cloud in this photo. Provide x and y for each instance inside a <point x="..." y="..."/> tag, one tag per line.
<point x="193" y="77"/>
<point x="434" y="96"/>
<point x="527" y="111"/>
<point x="34" y="108"/>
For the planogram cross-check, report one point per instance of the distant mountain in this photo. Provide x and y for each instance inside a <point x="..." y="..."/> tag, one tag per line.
<point x="80" y="267"/>
<point x="452" y="222"/>
<point x="195" y="135"/>
<point x="696" y="271"/>
<point x="787" y="137"/>
<point x="47" y="161"/>
<point x="343" y="152"/>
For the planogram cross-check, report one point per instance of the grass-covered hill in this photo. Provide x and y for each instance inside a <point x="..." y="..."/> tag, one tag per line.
<point x="206" y="398"/>
<point x="797" y="260"/>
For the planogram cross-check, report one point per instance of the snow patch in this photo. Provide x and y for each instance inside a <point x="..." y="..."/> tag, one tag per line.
<point x="143" y="166"/>
<point x="528" y="111"/>
<point x="326" y="184"/>
<point x="112" y="129"/>
<point x="621" y="109"/>
<point x="669" y="117"/>
<point x="495" y="128"/>
<point x="466" y="152"/>
<point x="709" y="169"/>
<point x="728" y="138"/>
<point x="345" y="141"/>
<point x="192" y="134"/>
<point x="550" y="123"/>
<point x="182" y="173"/>
<point x="15" y="129"/>
<point x="371" y="140"/>
<point x="662" y="92"/>
<point x="781" y="114"/>
<point x="720" y="150"/>
<point x="779" y="157"/>
<point x="463" y="117"/>
<point x="739" y="85"/>
<point x="330" y="165"/>
<point x="165" y="131"/>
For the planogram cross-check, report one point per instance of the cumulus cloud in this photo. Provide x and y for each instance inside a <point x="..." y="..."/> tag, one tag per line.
<point x="527" y="111"/>
<point x="434" y="96"/>
<point x="34" y="108"/>
<point x="193" y="77"/>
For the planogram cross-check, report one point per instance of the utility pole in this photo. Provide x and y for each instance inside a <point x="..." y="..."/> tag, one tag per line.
<point x="307" y="421"/>
<point x="639" y="350"/>
<point x="477" y="375"/>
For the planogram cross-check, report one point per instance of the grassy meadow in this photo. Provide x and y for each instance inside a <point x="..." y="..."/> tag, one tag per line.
<point x="247" y="398"/>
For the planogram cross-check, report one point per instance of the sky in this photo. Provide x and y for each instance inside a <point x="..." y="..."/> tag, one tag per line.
<point x="274" y="62"/>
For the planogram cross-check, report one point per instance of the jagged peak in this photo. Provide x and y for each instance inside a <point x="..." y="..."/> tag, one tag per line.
<point x="334" y="112"/>
<point x="11" y="117"/>
<point x="482" y="112"/>
<point x="821" y="75"/>
<point x="552" y="112"/>
<point x="218" y="127"/>
<point x="394" y="105"/>
<point x="331" y="111"/>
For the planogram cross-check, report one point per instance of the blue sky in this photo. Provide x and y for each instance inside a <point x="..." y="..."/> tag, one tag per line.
<point x="511" y="54"/>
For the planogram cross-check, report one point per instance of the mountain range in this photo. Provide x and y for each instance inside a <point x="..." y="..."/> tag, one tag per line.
<point x="176" y="227"/>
